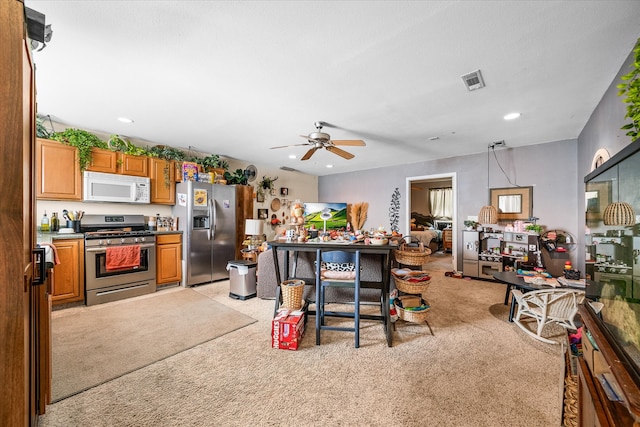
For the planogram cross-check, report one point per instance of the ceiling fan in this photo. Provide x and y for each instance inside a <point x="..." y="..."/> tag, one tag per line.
<point x="318" y="139"/>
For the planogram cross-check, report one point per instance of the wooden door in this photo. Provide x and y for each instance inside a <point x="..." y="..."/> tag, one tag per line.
<point x="18" y="329"/>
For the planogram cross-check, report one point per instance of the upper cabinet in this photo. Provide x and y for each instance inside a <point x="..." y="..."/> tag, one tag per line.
<point x="108" y="161"/>
<point x="133" y="165"/>
<point x="57" y="171"/>
<point x="103" y="161"/>
<point x="163" y="188"/>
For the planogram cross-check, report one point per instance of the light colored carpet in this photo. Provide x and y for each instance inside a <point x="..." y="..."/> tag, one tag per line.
<point x="95" y="344"/>
<point x="476" y="370"/>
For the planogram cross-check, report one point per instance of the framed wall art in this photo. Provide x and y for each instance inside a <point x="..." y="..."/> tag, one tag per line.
<point x="513" y="203"/>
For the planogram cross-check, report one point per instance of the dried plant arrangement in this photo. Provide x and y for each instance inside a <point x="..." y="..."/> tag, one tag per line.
<point x="358" y="214"/>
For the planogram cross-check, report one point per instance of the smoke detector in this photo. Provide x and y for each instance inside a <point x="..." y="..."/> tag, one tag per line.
<point x="473" y="80"/>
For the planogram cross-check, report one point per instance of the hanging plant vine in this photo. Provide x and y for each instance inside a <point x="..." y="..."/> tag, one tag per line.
<point x="394" y="211"/>
<point x="631" y="90"/>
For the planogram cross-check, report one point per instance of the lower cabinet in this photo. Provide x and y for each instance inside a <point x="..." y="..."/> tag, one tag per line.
<point x="168" y="258"/>
<point x="68" y="276"/>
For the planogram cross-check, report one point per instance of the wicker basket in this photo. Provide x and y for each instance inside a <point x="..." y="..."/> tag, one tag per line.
<point x="292" y="291"/>
<point x="411" y="287"/>
<point x="410" y="256"/>
<point x="409" y="315"/>
<point x="570" y="413"/>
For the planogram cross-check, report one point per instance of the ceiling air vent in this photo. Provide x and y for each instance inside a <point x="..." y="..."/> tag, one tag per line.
<point x="473" y="80"/>
<point x="287" y="168"/>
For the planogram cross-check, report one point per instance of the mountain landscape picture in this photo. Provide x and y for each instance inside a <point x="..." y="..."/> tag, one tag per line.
<point x="335" y="214"/>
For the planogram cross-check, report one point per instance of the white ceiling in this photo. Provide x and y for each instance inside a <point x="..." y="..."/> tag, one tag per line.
<point x="238" y="77"/>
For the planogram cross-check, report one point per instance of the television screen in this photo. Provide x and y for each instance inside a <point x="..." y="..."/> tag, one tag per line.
<point x="334" y="214"/>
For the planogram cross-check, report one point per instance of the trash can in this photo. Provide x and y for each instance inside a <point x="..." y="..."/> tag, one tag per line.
<point x="242" y="279"/>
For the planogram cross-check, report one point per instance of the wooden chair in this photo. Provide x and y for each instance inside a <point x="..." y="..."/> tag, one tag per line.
<point x="547" y="306"/>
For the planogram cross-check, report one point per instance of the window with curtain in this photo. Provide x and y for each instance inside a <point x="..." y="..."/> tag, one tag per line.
<point x="441" y="200"/>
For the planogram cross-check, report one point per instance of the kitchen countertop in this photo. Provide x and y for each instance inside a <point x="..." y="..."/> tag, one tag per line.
<point x="49" y="237"/>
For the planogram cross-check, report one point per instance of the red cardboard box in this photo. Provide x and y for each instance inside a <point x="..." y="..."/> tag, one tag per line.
<point x="287" y="329"/>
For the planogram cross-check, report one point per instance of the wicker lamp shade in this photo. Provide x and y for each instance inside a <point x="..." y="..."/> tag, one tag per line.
<point x="619" y="213"/>
<point x="488" y="215"/>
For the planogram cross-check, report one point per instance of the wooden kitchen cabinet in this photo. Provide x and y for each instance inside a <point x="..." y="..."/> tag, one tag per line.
<point x="103" y="160"/>
<point x="57" y="171"/>
<point x="133" y="165"/>
<point x="168" y="258"/>
<point x="163" y="187"/>
<point x="244" y="210"/>
<point x="68" y="276"/>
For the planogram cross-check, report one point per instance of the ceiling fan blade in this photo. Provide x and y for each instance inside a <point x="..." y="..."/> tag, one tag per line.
<point x="292" y="145"/>
<point x="309" y="153"/>
<point x="349" y="142"/>
<point x="340" y="152"/>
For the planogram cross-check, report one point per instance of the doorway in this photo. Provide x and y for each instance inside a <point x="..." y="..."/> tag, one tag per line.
<point x="417" y="185"/>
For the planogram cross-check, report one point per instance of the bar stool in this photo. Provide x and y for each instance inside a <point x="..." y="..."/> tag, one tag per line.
<point x="347" y="275"/>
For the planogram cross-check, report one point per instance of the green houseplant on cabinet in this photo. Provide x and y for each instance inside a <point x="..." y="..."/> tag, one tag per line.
<point x="212" y="162"/>
<point x="631" y="88"/>
<point x="81" y="139"/>
<point x="237" y="177"/>
<point x="117" y="143"/>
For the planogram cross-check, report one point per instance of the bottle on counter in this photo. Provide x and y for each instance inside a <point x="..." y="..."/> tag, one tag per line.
<point x="55" y="222"/>
<point x="44" y="223"/>
<point x="152" y="223"/>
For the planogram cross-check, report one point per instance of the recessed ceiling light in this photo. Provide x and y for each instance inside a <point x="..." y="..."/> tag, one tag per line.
<point x="124" y="120"/>
<point x="329" y="166"/>
<point x="292" y="156"/>
<point x="512" y="116"/>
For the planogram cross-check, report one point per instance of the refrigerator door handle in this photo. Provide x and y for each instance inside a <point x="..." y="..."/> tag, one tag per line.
<point x="210" y="215"/>
<point x="214" y="218"/>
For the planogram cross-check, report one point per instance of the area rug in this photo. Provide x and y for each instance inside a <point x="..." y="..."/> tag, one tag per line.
<point x="92" y="345"/>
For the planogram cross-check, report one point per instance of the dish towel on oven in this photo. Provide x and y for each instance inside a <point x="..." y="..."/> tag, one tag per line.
<point x="54" y="251"/>
<point x="119" y="257"/>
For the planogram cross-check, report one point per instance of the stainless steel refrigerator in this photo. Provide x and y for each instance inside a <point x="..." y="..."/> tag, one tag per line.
<point x="207" y="217"/>
<point x="470" y="248"/>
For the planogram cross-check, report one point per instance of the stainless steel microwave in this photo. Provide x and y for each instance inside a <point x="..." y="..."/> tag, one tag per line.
<point x="107" y="187"/>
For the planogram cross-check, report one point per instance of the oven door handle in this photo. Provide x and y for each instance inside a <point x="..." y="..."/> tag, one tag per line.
<point x="104" y="249"/>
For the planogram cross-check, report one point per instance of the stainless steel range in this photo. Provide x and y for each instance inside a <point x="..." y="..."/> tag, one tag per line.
<point x="112" y="268"/>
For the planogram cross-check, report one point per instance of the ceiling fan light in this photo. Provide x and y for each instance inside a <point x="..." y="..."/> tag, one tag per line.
<point x="488" y="215"/>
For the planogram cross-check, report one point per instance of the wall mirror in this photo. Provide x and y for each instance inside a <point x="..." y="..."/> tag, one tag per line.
<point x="512" y="203"/>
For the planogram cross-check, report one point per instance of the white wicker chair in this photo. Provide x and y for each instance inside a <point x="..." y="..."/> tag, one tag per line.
<point x="548" y="306"/>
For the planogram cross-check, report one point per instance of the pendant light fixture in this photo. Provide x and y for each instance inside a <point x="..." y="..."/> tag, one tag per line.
<point x="488" y="214"/>
<point x="619" y="213"/>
